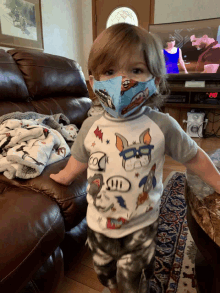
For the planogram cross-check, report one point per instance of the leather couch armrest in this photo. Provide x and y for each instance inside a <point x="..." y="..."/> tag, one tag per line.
<point x="31" y="226"/>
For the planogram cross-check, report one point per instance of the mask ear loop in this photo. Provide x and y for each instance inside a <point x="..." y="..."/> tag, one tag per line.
<point x="157" y="83"/>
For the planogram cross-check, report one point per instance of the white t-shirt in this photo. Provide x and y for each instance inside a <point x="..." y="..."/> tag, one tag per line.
<point x="125" y="167"/>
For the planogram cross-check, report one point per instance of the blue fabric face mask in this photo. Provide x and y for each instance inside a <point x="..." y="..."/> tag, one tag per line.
<point x="121" y="96"/>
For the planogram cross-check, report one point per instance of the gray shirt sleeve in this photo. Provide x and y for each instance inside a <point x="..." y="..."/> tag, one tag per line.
<point x="178" y="144"/>
<point x="78" y="150"/>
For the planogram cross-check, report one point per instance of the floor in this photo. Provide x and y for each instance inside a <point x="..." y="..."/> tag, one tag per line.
<point x="81" y="278"/>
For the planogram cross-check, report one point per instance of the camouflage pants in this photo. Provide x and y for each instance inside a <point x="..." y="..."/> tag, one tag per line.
<point x="127" y="262"/>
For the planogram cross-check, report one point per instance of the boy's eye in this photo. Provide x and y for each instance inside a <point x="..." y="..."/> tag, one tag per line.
<point x="109" y="72"/>
<point x="137" y="70"/>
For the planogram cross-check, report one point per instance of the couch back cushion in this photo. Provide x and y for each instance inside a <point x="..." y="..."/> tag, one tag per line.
<point x="50" y="75"/>
<point x="48" y="84"/>
<point x="12" y="85"/>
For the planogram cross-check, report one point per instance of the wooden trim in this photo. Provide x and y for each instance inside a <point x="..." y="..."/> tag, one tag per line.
<point x="152" y="10"/>
<point x="41" y="17"/>
<point x="94" y="20"/>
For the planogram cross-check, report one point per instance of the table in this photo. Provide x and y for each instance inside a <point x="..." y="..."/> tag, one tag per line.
<point x="203" y="216"/>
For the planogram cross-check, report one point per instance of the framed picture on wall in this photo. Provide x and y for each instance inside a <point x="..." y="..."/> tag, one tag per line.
<point x="21" y="24"/>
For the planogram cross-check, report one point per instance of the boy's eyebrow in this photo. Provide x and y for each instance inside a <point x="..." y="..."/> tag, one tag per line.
<point x="137" y="63"/>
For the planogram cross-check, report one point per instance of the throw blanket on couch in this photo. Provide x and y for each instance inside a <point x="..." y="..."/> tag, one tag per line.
<point x="31" y="141"/>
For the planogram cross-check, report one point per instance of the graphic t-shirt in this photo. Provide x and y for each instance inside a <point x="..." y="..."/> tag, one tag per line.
<point x="125" y="167"/>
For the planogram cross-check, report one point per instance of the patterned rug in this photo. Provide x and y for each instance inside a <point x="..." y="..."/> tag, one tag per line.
<point x="175" y="253"/>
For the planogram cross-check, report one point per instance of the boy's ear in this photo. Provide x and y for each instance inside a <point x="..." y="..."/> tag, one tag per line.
<point x="157" y="80"/>
<point x="91" y="80"/>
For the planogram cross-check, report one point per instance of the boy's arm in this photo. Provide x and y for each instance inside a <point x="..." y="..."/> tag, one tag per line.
<point x="74" y="167"/>
<point x="202" y="166"/>
<point x="70" y="172"/>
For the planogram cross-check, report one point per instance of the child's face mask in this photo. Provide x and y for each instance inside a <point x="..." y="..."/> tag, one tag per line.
<point x="121" y="96"/>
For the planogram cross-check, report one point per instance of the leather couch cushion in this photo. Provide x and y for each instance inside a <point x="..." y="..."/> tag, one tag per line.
<point x="32" y="227"/>
<point x="12" y="83"/>
<point x="11" y="106"/>
<point x="71" y="199"/>
<point x="50" y="75"/>
<point x="75" y="109"/>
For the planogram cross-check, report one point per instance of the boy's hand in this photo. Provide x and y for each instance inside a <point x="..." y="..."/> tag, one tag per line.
<point x="61" y="178"/>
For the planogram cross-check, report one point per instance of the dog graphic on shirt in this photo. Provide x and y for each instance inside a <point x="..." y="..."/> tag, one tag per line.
<point x="135" y="155"/>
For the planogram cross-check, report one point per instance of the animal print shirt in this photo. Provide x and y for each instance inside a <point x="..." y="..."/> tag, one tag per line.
<point x="125" y="167"/>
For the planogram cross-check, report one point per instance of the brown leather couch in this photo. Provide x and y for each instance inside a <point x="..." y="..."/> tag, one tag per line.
<point x="42" y="223"/>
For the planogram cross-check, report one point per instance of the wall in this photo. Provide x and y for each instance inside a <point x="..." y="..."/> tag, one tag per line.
<point x="62" y="28"/>
<point x="185" y="10"/>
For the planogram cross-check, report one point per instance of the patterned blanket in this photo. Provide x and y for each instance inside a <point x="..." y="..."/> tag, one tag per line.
<point x="30" y="141"/>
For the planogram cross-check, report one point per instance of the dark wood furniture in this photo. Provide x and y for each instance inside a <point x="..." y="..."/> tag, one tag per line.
<point x="203" y="217"/>
<point x="193" y="96"/>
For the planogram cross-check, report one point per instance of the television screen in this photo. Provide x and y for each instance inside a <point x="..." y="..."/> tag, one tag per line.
<point x="190" y="48"/>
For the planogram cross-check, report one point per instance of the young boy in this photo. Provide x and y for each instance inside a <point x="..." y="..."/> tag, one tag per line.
<point x="123" y="151"/>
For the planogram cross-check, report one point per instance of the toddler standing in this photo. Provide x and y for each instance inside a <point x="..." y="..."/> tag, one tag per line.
<point x="124" y="150"/>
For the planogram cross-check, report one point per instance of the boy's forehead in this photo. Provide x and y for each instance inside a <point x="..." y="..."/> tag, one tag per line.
<point x="132" y="57"/>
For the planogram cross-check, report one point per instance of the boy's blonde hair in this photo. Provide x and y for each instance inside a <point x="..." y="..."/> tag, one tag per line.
<point x="124" y="38"/>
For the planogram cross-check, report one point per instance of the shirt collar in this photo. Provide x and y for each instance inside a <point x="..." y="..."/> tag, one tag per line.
<point x="131" y="117"/>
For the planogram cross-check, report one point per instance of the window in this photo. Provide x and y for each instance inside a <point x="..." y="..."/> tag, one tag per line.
<point x="122" y="14"/>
